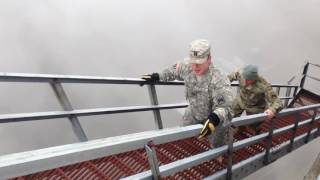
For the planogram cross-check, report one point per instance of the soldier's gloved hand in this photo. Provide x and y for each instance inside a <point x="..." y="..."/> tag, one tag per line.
<point x="152" y="78"/>
<point x="209" y="125"/>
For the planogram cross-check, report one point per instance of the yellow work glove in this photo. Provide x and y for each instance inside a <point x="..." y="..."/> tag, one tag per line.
<point x="209" y="125"/>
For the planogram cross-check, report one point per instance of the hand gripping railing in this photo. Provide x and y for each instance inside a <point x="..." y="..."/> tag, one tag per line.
<point x="57" y="81"/>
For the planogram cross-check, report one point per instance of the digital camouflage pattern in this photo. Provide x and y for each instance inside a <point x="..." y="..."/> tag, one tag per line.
<point x="255" y="98"/>
<point x="205" y="94"/>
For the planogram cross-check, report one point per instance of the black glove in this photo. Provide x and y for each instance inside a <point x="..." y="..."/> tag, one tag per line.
<point x="152" y="78"/>
<point x="209" y="125"/>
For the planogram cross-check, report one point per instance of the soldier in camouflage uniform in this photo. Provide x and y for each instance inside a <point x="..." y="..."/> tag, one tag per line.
<point x="208" y="91"/>
<point x="256" y="95"/>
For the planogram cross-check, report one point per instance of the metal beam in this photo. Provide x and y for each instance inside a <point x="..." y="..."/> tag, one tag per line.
<point x="66" y="105"/>
<point x="154" y="101"/>
<point x="6" y="118"/>
<point x="182" y="164"/>
<point x="47" y="78"/>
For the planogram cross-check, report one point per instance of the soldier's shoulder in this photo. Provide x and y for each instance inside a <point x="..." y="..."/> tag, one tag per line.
<point x="263" y="82"/>
<point x="183" y="65"/>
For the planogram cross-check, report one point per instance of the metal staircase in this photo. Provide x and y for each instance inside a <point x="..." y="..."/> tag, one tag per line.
<point x="173" y="153"/>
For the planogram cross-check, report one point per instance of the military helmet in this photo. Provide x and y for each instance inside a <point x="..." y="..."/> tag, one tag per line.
<point x="250" y="72"/>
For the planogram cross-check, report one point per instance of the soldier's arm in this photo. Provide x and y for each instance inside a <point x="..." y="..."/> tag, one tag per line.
<point x="275" y="104"/>
<point x="172" y="73"/>
<point x="234" y="76"/>
<point x="222" y="99"/>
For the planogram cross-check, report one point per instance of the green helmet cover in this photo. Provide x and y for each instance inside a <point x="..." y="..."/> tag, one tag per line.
<point x="250" y="72"/>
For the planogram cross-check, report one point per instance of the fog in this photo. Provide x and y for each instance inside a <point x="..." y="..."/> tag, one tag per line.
<point x="124" y="38"/>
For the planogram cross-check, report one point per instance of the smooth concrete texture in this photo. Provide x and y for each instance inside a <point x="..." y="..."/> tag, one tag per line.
<point x="293" y="166"/>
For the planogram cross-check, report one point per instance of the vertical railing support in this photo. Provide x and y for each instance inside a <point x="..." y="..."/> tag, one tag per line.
<point x="269" y="142"/>
<point x="295" y="92"/>
<point x="154" y="101"/>
<point x="304" y="74"/>
<point x="278" y="91"/>
<point x="311" y="125"/>
<point x="294" y="131"/>
<point x="288" y="93"/>
<point x="318" y="132"/>
<point x="230" y="153"/>
<point x="153" y="160"/>
<point x="66" y="105"/>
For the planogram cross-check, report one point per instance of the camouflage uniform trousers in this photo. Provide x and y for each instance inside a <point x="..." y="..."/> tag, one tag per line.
<point x="239" y="106"/>
<point x="218" y="138"/>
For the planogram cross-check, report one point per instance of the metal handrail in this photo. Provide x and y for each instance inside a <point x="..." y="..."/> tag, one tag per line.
<point x="48" y="78"/>
<point x="8" y="118"/>
<point x="56" y="82"/>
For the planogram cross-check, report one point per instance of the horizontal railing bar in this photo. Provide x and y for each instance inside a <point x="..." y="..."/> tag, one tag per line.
<point x="182" y="164"/>
<point x="246" y="142"/>
<point x="238" y="121"/>
<point x="24" y="163"/>
<point x="252" y="140"/>
<point x="297" y="110"/>
<point x="314" y="78"/>
<point x="244" y="120"/>
<point x="317" y="65"/>
<point x="282" y="130"/>
<point x="289" y="97"/>
<point x="272" y="85"/>
<point x="188" y="162"/>
<point x="21" y="77"/>
<point x="27" y="77"/>
<point x="6" y="118"/>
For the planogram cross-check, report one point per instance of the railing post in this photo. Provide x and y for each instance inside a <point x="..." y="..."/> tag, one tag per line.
<point x="154" y="101"/>
<point x="311" y="125"/>
<point x="153" y="161"/>
<point x="288" y="93"/>
<point x="294" y="131"/>
<point x="269" y="142"/>
<point x="304" y="74"/>
<point x="66" y="105"/>
<point x="278" y="90"/>
<point x="295" y="91"/>
<point x="230" y="153"/>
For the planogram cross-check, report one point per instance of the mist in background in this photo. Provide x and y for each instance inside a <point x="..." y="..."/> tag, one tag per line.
<point x="124" y="38"/>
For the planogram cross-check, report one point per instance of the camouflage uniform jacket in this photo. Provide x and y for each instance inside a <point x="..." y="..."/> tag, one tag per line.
<point x="259" y="94"/>
<point x="205" y="94"/>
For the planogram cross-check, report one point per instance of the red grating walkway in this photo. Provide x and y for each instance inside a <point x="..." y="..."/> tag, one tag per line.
<point x="133" y="162"/>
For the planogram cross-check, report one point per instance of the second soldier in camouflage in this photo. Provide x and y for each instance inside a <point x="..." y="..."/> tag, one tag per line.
<point x="256" y="95"/>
